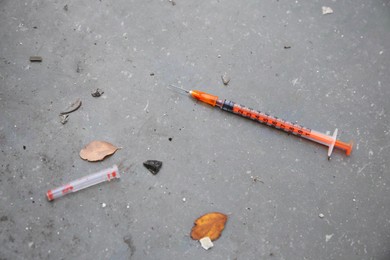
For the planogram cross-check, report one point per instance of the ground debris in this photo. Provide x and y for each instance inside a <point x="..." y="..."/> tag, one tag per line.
<point x="328" y="237"/>
<point x="97" y="93"/>
<point x="256" y="179"/>
<point x="153" y="166"/>
<point x="36" y="59"/>
<point x="64" y="119"/>
<point x="206" y="243"/>
<point x="172" y="2"/>
<point x="79" y="67"/>
<point x="73" y="107"/>
<point x="327" y="10"/>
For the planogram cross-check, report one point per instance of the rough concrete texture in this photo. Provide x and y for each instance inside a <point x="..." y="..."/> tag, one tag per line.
<point x="284" y="199"/>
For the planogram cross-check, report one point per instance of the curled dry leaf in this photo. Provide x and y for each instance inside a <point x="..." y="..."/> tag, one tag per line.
<point x="73" y="107"/>
<point x="97" y="151"/>
<point x="209" y="225"/>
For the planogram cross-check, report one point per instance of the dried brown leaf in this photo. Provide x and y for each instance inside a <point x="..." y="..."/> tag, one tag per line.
<point x="97" y="151"/>
<point x="209" y="225"/>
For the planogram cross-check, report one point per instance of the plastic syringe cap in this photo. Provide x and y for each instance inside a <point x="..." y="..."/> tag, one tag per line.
<point x="49" y="195"/>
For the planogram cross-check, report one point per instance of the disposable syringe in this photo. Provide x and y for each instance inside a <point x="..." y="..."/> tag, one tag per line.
<point x="84" y="182"/>
<point x="273" y="121"/>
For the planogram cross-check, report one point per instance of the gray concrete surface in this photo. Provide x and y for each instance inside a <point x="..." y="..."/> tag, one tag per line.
<point x="273" y="186"/>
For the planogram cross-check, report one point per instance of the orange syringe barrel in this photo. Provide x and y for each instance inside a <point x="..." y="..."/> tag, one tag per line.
<point x="273" y="121"/>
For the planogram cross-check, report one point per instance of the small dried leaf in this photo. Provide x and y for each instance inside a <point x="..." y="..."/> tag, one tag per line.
<point x="97" y="151"/>
<point x="209" y="225"/>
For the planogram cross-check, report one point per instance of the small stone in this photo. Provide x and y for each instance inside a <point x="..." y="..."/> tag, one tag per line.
<point x="225" y="79"/>
<point x="104" y="205"/>
<point x="184" y="199"/>
<point x="153" y="166"/>
<point x="321" y="215"/>
<point x="206" y="243"/>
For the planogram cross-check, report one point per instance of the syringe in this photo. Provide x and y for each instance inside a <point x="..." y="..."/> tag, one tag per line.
<point x="84" y="182"/>
<point x="272" y="121"/>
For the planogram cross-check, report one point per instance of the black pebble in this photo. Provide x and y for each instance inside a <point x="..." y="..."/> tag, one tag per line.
<point x="153" y="166"/>
<point x="24" y="147"/>
<point x="170" y="139"/>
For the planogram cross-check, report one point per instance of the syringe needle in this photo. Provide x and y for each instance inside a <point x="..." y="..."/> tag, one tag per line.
<point x="177" y="88"/>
